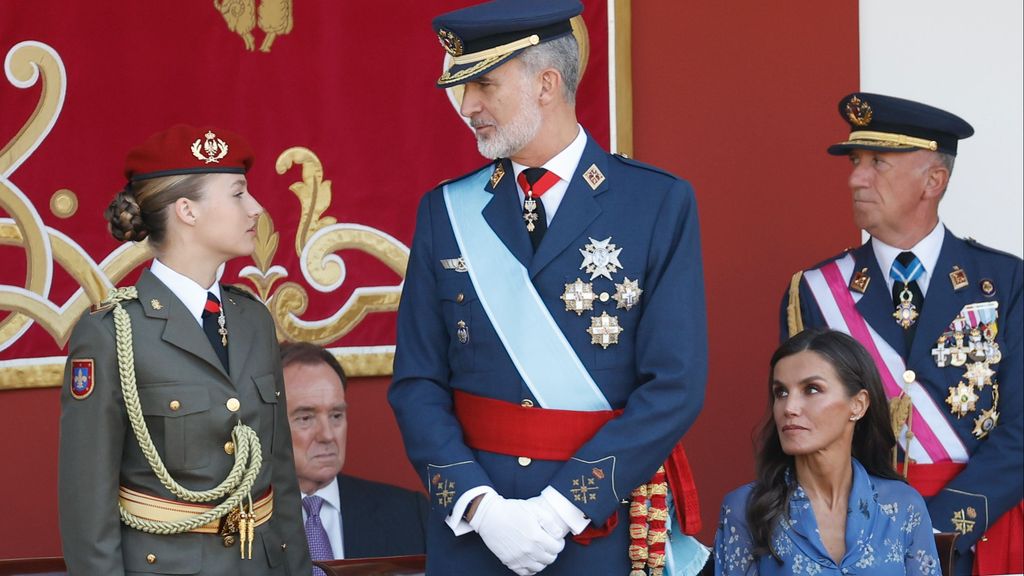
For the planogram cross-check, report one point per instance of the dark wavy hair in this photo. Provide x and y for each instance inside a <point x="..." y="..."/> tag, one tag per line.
<point x="308" y="354"/>
<point x="873" y="438"/>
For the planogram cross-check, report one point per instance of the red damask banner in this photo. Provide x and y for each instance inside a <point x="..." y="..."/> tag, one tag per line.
<point x="338" y="100"/>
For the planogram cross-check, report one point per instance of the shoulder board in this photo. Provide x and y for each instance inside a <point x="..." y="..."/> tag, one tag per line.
<point x="123" y="294"/>
<point x="638" y="164"/>
<point x="975" y="244"/>
<point x="239" y="290"/>
<point x="831" y="259"/>
<point x="104" y="306"/>
<point x="488" y="166"/>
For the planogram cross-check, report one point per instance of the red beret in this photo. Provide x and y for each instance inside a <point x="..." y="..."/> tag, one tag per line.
<point x="185" y="149"/>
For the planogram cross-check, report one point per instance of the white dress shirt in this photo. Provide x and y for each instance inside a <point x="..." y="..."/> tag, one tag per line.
<point x="927" y="251"/>
<point x="191" y="294"/>
<point x="330" y="517"/>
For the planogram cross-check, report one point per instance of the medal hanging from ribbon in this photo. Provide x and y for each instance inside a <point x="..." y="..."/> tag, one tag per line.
<point x="906" y="269"/>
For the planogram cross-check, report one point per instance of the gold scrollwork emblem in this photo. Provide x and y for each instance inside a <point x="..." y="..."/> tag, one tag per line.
<point x="318" y="240"/>
<point x="275" y="18"/>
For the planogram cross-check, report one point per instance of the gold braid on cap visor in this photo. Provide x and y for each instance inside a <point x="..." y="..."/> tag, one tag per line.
<point x="890" y="140"/>
<point x="486" y="58"/>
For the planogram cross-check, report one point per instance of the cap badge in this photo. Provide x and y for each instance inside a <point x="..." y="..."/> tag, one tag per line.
<point x="452" y="43"/>
<point x="858" y="112"/>
<point x="210" y="151"/>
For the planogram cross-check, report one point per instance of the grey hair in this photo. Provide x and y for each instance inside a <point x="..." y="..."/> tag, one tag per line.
<point x="947" y="161"/>
<point x="562" y="54"/>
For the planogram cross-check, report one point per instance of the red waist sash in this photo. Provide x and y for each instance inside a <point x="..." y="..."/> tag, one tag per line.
<point x="1000" y="550"/>
<point x="515" y="430"/>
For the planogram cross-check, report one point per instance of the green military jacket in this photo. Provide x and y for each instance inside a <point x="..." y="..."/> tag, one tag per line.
<point x="186" y="397"/>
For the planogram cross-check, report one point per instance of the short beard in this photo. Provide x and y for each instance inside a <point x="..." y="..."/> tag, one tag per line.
<point x="514" y="136"/>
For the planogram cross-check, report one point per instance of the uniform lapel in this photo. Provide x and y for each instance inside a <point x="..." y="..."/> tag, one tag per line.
<point x="180" y="328"/>
<point x="504" y="215"/>
<point x="941" y="303"/>
<point x="241" y="331"/>
<point x="578" y="209"/>
<point x="876" y="305"/>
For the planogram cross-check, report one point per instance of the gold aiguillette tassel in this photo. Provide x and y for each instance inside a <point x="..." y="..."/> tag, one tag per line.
<point x="252" y="526"/>
<point x="242" y="531"/>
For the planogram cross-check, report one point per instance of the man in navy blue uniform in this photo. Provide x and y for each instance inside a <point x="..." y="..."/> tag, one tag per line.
<point x="552" y="335"/>
<point x="942" y="317"/>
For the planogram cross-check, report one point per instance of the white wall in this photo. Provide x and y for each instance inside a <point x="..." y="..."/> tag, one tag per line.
<point x="967" y="57"/>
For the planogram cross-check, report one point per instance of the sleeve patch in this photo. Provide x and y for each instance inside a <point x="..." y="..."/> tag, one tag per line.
<point x="82" y="372"/>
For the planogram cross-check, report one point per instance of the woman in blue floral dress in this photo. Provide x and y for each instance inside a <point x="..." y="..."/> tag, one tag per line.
<point x="826" y="499"/>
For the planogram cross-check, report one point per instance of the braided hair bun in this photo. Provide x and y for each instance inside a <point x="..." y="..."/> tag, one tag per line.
<point x="124" y="217"/>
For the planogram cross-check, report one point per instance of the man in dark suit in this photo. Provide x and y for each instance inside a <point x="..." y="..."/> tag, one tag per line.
<point x="942" y="317"/>
<point x="345" y="517"/>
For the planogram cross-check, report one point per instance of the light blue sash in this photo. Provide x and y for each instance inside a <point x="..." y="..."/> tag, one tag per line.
<point x="539" y="350"/>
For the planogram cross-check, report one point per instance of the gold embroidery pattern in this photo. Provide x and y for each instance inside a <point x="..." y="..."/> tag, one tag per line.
<point x="273" y="16"/>
<point x="317" y="241"/>
<point x="960" y="521"/>
<point x="584" y="489"/>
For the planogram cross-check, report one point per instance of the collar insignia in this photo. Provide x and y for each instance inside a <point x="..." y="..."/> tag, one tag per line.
<point x="860" y="280"/>
<point x="593" y="176"/>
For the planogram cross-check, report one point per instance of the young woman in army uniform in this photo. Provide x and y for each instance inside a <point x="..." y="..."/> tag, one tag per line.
<point x="175" y="453"/>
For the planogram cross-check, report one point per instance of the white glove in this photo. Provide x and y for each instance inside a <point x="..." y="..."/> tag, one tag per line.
<point x="549" y="518"/>
<point x="513" y="533"/>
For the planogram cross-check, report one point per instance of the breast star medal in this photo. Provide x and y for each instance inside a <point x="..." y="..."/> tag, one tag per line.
<point x="627" y="294"/>
<point x="604" y="330"/>
<point x="985" y="422"/>
<point x="579" y="296"/>
<point x="906" y="312"/>
<point x="961" y="399"/>
<point x="600" y="258"/>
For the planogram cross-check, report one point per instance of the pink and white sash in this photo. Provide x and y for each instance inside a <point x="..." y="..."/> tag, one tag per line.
<point x="934" y="440"/>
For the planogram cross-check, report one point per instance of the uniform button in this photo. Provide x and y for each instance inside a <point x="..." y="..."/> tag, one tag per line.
<point x="233" y="404"/>
<point x="229" y="540"/>
<point x="604" y="297"/>
<point x="524" y="461"/>
<point x="175" y="405"/>
<point x="909" y="376"/>
<point x="229" y="447"/>
<point x="526" y="403"/>
<point x="284" y="546"/>
<point x="151" y="558"/>
<point x="460" y="297"/>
